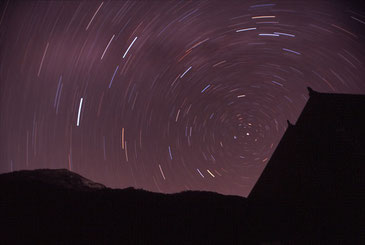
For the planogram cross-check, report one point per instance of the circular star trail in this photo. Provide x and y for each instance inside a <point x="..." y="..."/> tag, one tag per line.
<point x="167" y="95"/>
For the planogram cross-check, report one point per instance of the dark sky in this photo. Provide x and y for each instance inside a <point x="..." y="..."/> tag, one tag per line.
<point x="167" y="95"/>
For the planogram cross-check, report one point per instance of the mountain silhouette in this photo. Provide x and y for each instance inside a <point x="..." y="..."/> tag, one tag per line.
<point x="58" y="206"/>
<point x="310" y="192"/>
<point x="53" y="178"/>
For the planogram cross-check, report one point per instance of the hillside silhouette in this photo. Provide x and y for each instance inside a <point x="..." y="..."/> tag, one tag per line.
<point x="34" y="210"/>
<point x="309" y="193"/>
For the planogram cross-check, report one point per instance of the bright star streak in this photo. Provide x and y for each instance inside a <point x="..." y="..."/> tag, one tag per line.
<point x="78" y="116"/>
<point x="185" y="72"/>
<point x="129" y="47"/>
<point x="247" y="29"/>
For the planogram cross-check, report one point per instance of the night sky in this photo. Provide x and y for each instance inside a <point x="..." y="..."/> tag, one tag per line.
<point x="167" y="95"/>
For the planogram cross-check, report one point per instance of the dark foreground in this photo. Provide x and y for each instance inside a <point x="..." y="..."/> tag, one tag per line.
<point x="66" y="210"/>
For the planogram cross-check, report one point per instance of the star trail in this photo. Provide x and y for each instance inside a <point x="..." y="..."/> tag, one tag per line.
<point x="167" y="95"/>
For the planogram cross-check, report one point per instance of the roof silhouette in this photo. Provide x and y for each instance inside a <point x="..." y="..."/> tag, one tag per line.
<point x="321" y="157"/>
